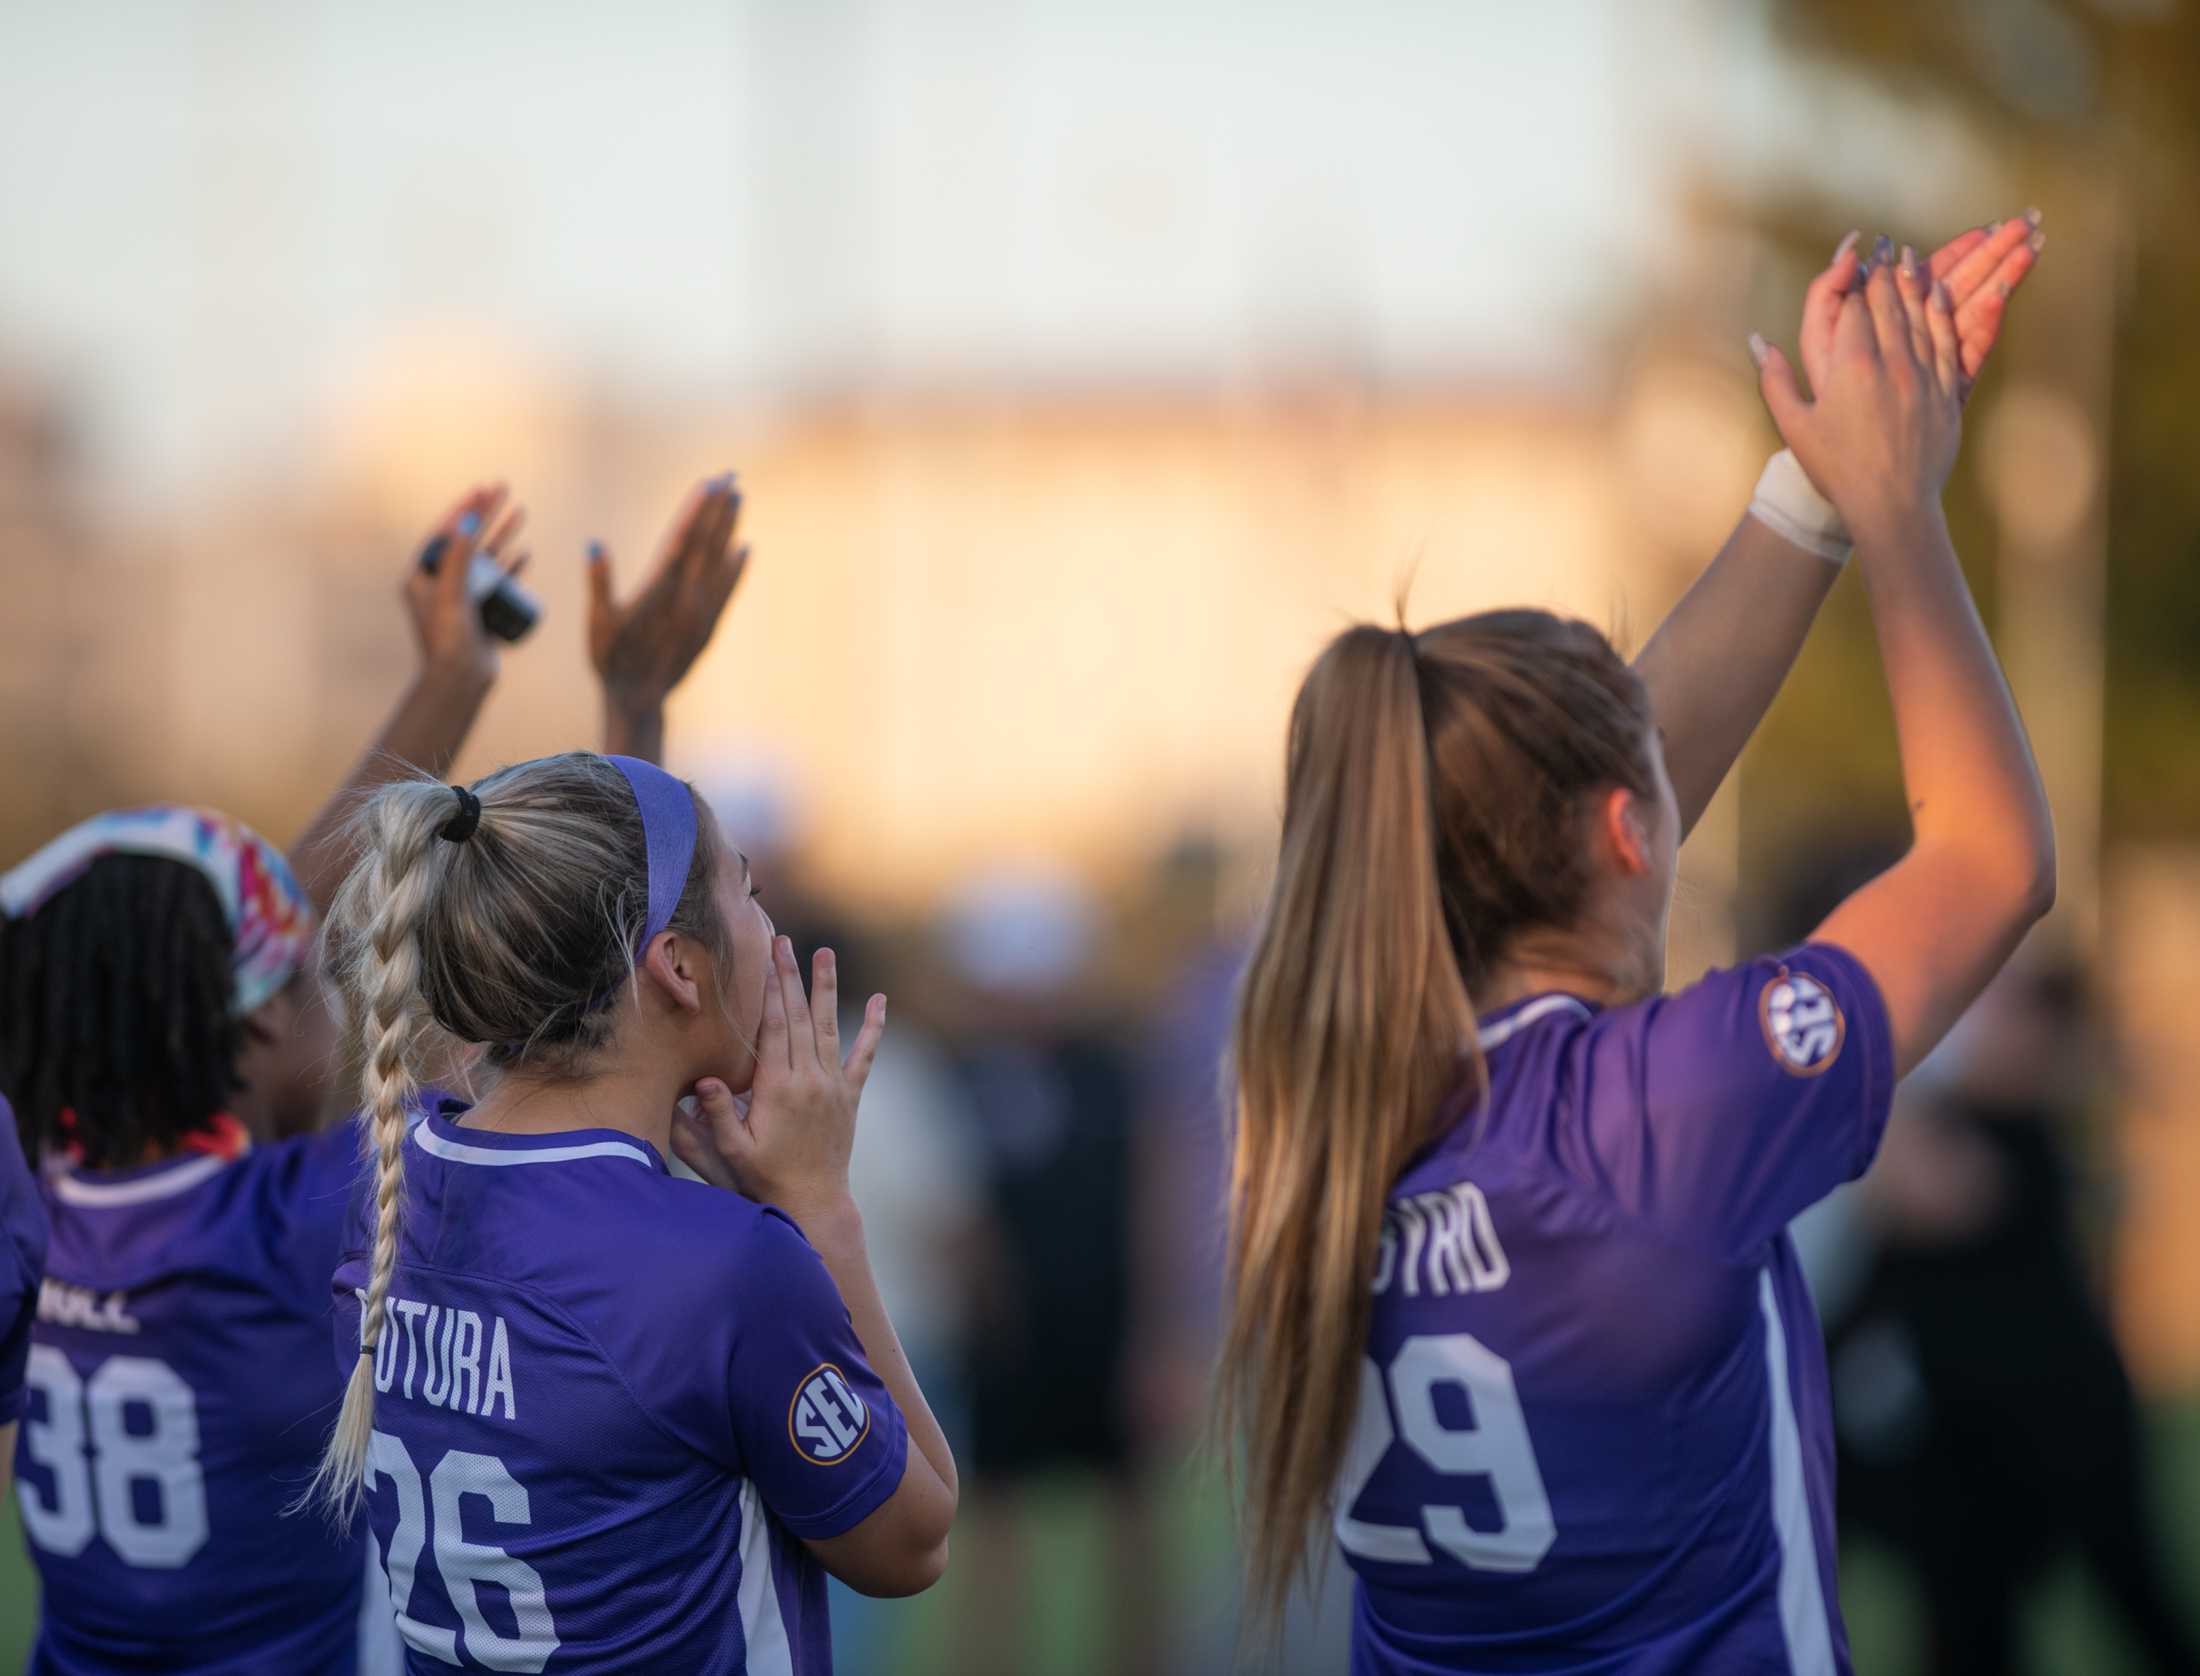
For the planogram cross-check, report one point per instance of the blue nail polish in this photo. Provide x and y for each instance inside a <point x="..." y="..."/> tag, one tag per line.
<point x="1883" y="252"/>
<point x="595" y="552"/>
<point x="469" y="524"/>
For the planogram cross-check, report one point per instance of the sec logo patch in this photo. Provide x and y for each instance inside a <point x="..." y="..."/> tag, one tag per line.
<point x="826" y="1419"/>
<point x="1802" y="1022"/>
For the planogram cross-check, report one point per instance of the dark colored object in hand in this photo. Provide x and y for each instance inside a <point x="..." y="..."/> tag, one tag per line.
<point x="508" y="610"/>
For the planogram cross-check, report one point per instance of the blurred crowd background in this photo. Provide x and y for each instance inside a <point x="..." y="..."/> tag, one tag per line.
<point x="1085" y="365"/>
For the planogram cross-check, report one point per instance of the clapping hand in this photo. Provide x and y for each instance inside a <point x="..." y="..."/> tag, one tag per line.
<point x="1981" y="268"/>
<point x="643" y="647"/>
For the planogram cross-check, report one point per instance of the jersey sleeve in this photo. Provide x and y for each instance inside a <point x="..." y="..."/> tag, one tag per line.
<point x="22" y="1264"/>
<point x="1718" y="1114"/>
<point x="819" y="1434"/>
<point x="757" y="1366"/>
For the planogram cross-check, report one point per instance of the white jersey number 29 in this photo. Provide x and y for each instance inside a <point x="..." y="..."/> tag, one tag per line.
<point x="464" y="1565"/>
<point x="1495" y="1446"/>
<point x="87" y="1445"/>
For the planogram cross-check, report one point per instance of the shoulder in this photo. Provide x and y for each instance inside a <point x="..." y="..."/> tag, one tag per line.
<point x="1796" y="1015"/>
<point x="22" y="1206"/>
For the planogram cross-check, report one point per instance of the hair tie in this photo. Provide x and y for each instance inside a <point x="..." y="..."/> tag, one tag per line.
<point x="460" y="826"/>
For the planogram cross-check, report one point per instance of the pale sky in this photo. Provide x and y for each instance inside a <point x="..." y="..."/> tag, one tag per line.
<point x="214" y="216"/>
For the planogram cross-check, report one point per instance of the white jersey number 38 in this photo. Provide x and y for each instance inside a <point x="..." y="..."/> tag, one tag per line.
<point x="132" y="1426"/>
<point x="1495" y="1447"/>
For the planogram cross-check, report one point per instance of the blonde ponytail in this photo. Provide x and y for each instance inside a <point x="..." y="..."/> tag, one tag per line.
<point x="386" y="898"/>
<point x="1351" y="1027"/>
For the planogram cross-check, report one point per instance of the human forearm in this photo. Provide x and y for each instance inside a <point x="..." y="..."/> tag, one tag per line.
<point x="1716" y="662"/>
<point x="1967" y="768"/>
<point x="835" y="1230"/>
<point x="422" y="733"/>
<point x="633" y="727"/>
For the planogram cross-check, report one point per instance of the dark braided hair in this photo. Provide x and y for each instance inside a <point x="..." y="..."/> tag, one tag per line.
<point x="114" y="1006"/>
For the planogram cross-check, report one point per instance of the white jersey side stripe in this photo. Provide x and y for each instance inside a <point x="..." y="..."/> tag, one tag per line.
<point x="379" y="1652"/>
<point x="458" y="1152"/>
<point x="1803" y="1619"/>
<point x="75" y="1190"/>
<point x="762" y="1627"/>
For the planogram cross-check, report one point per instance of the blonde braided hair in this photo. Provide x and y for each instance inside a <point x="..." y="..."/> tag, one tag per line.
<point x="391" y="890"/>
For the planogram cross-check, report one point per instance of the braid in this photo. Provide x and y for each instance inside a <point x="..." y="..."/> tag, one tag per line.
<point x="513" y="938"/>
<point x="114" y="1009"/>
<point x="389" y="896"/>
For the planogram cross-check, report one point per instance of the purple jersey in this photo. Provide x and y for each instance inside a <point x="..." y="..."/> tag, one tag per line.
<point x="180" y="1391"/>
<point x="1594" y="1433"/>
<point x="22" y="1261"/>
<point x="608" y="1404"/>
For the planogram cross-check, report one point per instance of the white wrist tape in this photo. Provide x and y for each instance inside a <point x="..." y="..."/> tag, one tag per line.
<point x="1787" y="504"/>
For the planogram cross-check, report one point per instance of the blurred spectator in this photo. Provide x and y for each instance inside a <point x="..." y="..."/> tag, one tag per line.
<point x="1192" y="956"/>
<point x="1050" y="1091"/>
<point x="1986" y="1425"/>
<point x="1978" y="1387"/>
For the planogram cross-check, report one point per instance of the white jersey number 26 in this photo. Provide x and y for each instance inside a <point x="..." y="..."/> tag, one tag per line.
<point x="1495" y="1447"/>
<point x="463" y="1565"/>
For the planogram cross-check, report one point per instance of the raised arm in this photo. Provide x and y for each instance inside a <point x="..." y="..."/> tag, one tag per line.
<point x="644" y="647"/>
<point x="1881" y="437"/>
<point x="1718" y="659"/>
<point x="458" y="666"/>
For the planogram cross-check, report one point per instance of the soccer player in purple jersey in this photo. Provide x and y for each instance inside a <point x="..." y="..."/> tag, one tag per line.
<point x="1514" y="1308"/>
<point x="163" y="1038"/>
<point x="22" y="1262"/>
<point x="605" y="1419"/>
<point x="166" y="1049"/>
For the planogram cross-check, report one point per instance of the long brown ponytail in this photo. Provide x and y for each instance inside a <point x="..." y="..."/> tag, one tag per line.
<point x="1432" y="792"/>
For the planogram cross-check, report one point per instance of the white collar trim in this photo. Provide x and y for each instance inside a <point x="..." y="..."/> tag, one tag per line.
<point x="458" y="1152"/>
<point x="1535" y="1011"/>
<point x="162" y="1184"/>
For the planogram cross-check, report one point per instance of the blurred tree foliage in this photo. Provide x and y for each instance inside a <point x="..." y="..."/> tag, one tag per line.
<point x="2090" y="109"/>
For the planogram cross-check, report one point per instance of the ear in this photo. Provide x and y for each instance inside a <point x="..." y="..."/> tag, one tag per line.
<point x="675" y="965"/>
<point x="270" y="1021"/>
<point x="1623" y="826"/>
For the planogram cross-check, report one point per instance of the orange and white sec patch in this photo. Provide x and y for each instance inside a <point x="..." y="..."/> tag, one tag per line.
<point x="1802" y="1023"/>
<point x="825" y="1418"/>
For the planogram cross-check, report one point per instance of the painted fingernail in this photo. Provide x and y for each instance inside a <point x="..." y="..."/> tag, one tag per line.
<point x="1883" y="251"/>
<point x="2001" y="286"/>
<point x="1941" y="299"/>
<point x="2033" y="216"/>
<point x="469" y="523"/>
<point x="1909" y="261"/>
<point x="1757" y="349"/>
<point x="2038" y="242"/>
<point x="1847" y="244"/>
<point x="595" y="552"/>
<point x="1992" y="227"/>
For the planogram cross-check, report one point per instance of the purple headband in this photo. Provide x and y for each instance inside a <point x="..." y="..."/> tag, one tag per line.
<point x="668" y="835"/>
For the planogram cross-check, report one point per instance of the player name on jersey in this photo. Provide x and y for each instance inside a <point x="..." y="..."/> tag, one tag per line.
<point x="63" y="1305"/>
<point x="1441" y="1242"/>
<point x="445" y="1357"/>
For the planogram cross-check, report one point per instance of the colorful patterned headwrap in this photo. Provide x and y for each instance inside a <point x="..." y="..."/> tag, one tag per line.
<point x="268" y="914"/>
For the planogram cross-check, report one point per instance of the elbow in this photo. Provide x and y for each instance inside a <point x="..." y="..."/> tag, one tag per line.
<point x="2039" y="898"/>
<point x="2036" y="888"/>
<point x="2024" y="886"/>
<point x="911" y="1574"/>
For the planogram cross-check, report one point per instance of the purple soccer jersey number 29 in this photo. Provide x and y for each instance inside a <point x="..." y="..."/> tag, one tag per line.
<point x="1592" y="1426"/>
